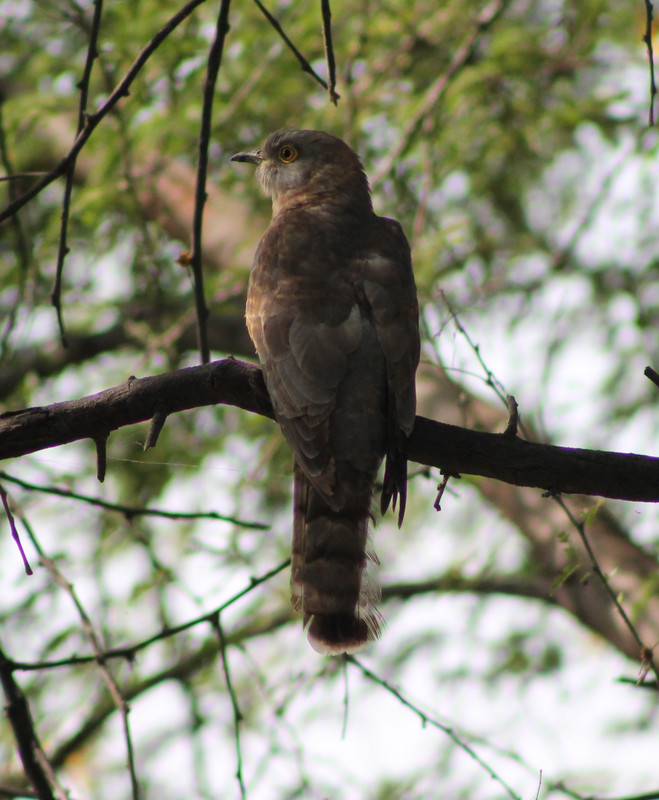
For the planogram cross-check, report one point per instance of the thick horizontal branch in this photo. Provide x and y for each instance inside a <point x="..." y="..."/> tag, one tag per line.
<point x="557" y="470"/>
<point x="229" y="381"/>
<point x="454" y="450"/>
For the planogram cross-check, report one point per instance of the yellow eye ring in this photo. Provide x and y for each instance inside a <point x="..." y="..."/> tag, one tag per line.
<point x="287" y="153"/>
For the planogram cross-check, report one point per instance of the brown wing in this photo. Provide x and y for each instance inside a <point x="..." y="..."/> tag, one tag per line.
<point x="391" y="293"/>
<point x="322" y="363"/>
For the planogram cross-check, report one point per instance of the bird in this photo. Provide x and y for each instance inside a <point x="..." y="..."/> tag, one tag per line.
<point x="333" y="314"/>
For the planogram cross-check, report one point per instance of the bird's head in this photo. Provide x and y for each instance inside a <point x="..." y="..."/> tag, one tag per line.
<point x="308" y="168"/>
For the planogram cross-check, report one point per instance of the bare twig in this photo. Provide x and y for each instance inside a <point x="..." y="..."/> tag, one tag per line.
<point x="491" y="379"/>
<point x="306" y="66"/>
<point x="645" y="652"/>
<point x="93" y="120"/>
<point x="513" y="416"/>
<point x="14" y="529"/>
<point x="237" y="716"/>
<point x="133" y="511"/>
<point x="561" y="787"/>
<point x="100" y="443"/>
<point x="212" y="70"/>
<point x="157" y="424"/>
<point x="17" y="176"/>
<point x="647" y="38"/>
<point x="130" y="651"/>
<point x="652" y="375"/>
<point x="440" y="492"/>
<point x="428" y="720"/>
<point x="185" y="664"/>
<point x="329" y="51"/>
<point x="62" y="250"/>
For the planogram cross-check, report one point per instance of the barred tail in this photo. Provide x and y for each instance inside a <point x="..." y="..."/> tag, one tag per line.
<point x="329" y="581"/>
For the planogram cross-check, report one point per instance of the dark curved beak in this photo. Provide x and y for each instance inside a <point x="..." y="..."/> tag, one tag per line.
<point x="249" y="157"/>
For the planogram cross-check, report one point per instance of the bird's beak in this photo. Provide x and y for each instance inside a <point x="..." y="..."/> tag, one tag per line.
<point x="249" y="157"/>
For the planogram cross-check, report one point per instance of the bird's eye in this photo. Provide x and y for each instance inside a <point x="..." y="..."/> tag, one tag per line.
<point x="287" y="153"/>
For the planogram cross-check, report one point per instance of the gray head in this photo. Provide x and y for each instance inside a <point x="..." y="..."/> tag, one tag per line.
<point x="308" y="167"/>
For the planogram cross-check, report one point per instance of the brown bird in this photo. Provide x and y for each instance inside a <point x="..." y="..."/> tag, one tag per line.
<point x="333" y="314"/>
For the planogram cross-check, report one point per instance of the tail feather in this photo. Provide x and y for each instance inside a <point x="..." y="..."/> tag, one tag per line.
<point x="394" y="487"/>
<point x="329" y="580"/>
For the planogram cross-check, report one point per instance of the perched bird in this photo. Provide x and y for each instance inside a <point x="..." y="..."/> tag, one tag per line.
<point x="333" y="314"/>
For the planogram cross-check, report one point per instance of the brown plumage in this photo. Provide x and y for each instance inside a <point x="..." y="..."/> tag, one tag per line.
<point x="332" y="312"/>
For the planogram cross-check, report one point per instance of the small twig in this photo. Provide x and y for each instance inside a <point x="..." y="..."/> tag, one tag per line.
<point x="16" y="176"/>
<point x="212" y="70"/>
<point x="157" y="424"/>
<point x="306" y="66"/>
<point x="100" y="443"/>
<point x="561" y="787"/>
<point x="537" y="794"/>
<point x="427" y="720"/>
<point x="129" y="652"/>
<point x="645" y="652"/>
<point x="440" y="492"/>
<point x="237" y="716"/>
<point x="652" y="375"/>
<point x="132" y="511"/>
<point x="513" y="416"/>
<point x="346" y="699"/>
<point x="490" y="378"/>
<point x="647" y="38"/>
<point x="14" y="530"/>
<point x="329" y="51"/>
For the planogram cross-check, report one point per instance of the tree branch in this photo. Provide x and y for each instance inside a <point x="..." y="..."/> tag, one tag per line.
<point x="454" y="450"/>
<point x="212" y="71"/>
<point x="37" y="769"/>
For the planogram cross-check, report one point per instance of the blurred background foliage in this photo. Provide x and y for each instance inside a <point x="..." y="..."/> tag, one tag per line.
<point x="510" y="139"/>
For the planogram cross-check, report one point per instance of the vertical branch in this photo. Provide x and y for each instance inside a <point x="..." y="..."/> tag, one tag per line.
<point x="214" y="61"/>
<point x="37" y="769"/>
<point x="329" y="51"/>
<point x="237" y="716"/>
<point x="63" y="249"/>
<point x="647" y="38"/>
